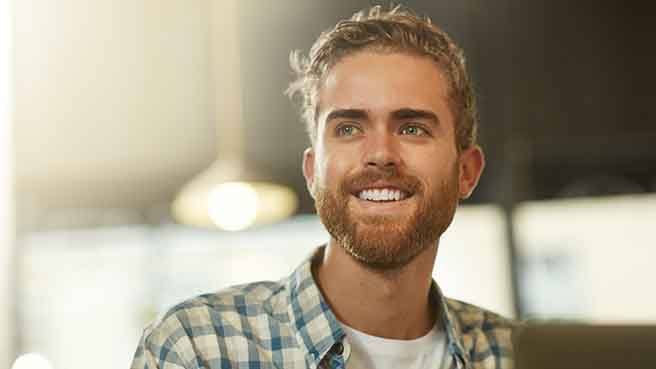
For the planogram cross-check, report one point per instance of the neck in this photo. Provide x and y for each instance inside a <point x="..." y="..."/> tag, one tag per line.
<point x="391" y="303"/>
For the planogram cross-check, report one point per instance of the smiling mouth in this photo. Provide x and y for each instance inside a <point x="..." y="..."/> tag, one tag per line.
<point x="382" y="195"/>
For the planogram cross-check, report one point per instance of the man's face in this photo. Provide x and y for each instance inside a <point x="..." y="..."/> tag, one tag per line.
<point x="384" y="170"/>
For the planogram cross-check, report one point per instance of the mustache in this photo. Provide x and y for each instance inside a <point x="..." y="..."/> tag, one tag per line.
<point x="367" y="177"/>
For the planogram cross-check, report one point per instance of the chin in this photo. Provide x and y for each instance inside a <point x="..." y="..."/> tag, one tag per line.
<point x="383" y="246"/>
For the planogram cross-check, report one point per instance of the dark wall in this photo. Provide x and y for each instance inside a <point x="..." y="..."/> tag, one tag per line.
<point x="584" y="95"/>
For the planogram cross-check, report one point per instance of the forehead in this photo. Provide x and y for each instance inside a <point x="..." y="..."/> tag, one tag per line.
<point x="383" y="82"/>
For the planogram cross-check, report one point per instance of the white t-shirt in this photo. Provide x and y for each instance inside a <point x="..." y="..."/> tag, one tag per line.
<point x="369" y="352"/>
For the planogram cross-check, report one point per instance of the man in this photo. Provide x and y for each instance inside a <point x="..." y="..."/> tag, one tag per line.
<point x="392" y="121"/>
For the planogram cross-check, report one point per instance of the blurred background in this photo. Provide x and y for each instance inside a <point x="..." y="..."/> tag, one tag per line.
<point x="145" y="145"/>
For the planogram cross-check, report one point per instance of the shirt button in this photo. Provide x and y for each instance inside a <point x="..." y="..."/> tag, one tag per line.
<point x="338" y="348"/>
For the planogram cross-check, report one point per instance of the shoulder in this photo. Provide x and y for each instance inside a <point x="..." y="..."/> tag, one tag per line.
<point x="487" y="336"/>
<point x="472" y="317"/>
<point x="214" y="308"/>
<point x="193" y="323"/>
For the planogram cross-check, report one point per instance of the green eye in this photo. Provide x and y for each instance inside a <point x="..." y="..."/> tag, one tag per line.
<point x="413" y="131"/>
<point x="347" y="130"/>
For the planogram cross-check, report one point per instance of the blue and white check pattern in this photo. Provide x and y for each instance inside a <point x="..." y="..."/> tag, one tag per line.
<point x="287" y="324"/>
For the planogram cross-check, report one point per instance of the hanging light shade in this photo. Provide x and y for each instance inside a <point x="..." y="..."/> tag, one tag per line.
<point x="228" y="197"/>
<point x="229" y="194"/>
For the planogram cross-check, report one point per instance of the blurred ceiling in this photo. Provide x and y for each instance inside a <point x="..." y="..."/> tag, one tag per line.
<point x="114" y="99"/>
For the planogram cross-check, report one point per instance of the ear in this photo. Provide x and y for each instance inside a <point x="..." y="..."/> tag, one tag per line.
<point x="308" y="169"/>
<point x="472" y="162"/>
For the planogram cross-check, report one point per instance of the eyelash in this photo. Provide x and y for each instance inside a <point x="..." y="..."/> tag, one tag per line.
<point x="424" y="131"/>
<point x="340" y="129"/>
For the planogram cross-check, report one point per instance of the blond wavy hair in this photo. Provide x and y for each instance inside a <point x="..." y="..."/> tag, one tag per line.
<point x="395" y="29"/>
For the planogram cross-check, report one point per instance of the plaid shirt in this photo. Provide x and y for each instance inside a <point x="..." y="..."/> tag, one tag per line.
<point x="287" y="324"/>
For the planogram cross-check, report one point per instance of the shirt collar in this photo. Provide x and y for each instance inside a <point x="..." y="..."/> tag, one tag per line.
<point x="452" y="326"/>
<point x="317" y="329"/>
<point x="315" y="326"/>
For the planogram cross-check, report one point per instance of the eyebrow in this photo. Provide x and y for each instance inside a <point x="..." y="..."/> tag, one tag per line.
<point x="408" y="113"/>
<point x="401" y="114"/>
<point x="357" y="114"/>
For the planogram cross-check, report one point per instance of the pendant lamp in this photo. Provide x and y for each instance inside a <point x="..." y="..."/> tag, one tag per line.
<point x="229" y="194"/>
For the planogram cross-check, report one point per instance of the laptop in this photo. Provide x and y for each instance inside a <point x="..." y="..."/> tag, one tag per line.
<point x="566" y="346"/>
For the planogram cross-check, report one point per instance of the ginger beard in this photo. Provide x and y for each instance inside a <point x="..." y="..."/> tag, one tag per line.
<point x="382" y="241"/>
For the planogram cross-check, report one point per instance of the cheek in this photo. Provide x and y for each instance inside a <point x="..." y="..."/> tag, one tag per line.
<point x="432" y="170"/>
<point x="331" y="171"/>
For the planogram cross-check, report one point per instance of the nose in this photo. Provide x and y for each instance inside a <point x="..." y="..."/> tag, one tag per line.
<point x="381" y="151"/>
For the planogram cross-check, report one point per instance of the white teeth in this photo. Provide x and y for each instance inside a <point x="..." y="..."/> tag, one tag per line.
<point x="386" y="194"/>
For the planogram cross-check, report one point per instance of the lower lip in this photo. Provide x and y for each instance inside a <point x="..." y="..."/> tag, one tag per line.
<point x="382" y="206"/>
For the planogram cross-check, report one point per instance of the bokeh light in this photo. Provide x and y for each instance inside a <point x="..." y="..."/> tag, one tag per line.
<point x="31" y="360"/>
<point x="233" y="205"/>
